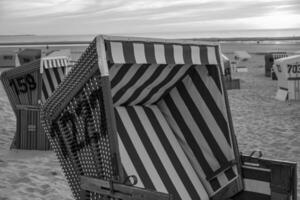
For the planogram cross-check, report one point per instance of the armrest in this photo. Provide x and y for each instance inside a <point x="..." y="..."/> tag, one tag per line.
<point x="120" y="191"/>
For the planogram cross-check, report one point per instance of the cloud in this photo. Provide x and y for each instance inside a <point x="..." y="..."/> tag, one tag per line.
<point x="36" y="8"/>
<point x="121" y="16"/>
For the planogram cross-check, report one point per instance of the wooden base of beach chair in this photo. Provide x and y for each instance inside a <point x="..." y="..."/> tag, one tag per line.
<point x="109" y="189"/>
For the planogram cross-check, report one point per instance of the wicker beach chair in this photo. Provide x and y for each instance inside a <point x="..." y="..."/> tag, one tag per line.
<point x="145" y="119"/>
<point x="27" y="87"/>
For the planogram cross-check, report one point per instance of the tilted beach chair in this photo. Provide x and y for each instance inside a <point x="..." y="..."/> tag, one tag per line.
<point x="145" y="119"/>
<point x="27" y="87"/>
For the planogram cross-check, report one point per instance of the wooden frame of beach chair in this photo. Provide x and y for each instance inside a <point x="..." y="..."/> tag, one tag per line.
<point x="27" y="87"/>
<point x="155" y="109"/>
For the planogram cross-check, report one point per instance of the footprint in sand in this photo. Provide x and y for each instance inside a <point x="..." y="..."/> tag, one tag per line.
<point x="30" y="189"/>
<point x="2" y="187"/>
<point x="22" y="174"/>
<point x="45" y="186"/>
<point x="3" y="163"/>
<point x="23" y="180"/>
<point x="53" y="173"/>
<point x="42" y="192"/>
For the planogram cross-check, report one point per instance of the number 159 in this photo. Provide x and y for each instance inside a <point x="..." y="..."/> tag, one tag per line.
<point x="23" y="83"/>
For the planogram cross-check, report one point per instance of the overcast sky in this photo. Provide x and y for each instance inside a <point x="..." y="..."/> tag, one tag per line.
<point x="145" y="16"/>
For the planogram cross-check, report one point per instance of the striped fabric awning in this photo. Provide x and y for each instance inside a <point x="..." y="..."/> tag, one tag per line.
<point x="193" y="109"/>
<point x="150" y="150"/>
<point x="53" y="62"/>
<point x="53" y="70"/>
<point x="51" y="78"/>
<point x="120" y="52"/>
<point x="182" y="84"/>
<point x="279" y="55"/>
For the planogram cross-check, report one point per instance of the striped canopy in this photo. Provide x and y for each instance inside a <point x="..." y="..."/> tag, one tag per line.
<point x="120" y="52"/>
<point x="53" y="62"/>
<point x="173" y="90"/>
<point x="53" y="70"/>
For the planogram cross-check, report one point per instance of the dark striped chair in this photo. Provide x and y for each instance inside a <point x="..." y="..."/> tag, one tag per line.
<point x="154" y="109"/>
<point x="27" y="87"/>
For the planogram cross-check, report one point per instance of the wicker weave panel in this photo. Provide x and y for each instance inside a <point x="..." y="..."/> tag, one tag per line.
<point x="74" y="82"/>
<point x="75" y="123"/>
<point x="81" y="137"/>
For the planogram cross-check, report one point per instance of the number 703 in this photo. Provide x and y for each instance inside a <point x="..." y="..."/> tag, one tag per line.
<point x="293" y="68"/>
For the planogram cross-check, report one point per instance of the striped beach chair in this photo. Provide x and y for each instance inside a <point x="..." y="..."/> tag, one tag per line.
<point x="27" y="87"/>
<point x="145" y="119"/>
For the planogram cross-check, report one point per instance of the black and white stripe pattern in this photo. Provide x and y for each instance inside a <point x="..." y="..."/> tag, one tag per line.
<point x="150" y="150"/>
<point x="143" y="84"/>
<point x="198" y="120"/>
<point x="51" y="78"/>
<point x="185" y="82"/>
<point x="195" y="110"/>
<point x="161" y="53"/>
<point x="53" y="70"/>
<point x="279" y="55"/>
<point x="53" y="62"/>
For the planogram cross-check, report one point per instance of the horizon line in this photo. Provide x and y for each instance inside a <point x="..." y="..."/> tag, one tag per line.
<point x="212" y="39"/>
<point x="204" y="31"/>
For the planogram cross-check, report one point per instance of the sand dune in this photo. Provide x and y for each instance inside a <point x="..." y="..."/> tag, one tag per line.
<point x="260" y="122"/>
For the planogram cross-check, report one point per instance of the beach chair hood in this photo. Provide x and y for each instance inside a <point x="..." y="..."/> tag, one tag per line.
<point x="161" y="110"/>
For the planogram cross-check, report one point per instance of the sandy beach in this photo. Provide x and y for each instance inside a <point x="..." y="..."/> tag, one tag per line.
<point x="260" y="122"/>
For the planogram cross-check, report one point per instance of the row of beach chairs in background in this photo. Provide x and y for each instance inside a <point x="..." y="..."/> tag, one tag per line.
<point x="140" y="118"/>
